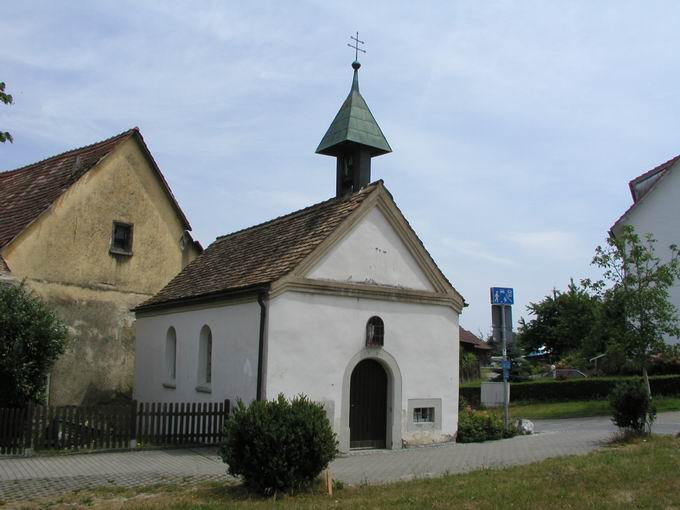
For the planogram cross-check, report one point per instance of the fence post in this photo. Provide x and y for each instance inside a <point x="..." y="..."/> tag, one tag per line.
<point x="28" y="431"/>
<point x="133" y="424"/>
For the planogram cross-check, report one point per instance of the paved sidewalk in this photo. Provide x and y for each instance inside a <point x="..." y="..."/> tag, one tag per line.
<point x="26" y="478"/>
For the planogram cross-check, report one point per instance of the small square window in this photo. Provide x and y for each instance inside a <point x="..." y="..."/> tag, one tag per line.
<point x="121" y="238"/>
<point x="423" y="415"/>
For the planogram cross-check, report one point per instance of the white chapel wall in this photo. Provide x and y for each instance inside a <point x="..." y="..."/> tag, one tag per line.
<point x="235" y="339"/>
<point x="372" y="252"/>
<point x="312" y="339"/>
<point x="658" y="213"/>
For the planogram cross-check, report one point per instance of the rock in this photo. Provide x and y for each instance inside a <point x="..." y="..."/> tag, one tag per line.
<point x="525" y="427"/>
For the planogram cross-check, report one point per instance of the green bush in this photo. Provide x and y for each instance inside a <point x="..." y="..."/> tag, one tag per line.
<point x="32" y="338"/>
<point x="632" y="407"/>
<point x="479" y="426"/>
<point x="278" y="445"/>
<point x="590" y="388"/>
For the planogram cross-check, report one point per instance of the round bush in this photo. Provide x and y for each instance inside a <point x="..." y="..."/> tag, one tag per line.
<point x="278" y="445"/>
<point x="632" y="407"/>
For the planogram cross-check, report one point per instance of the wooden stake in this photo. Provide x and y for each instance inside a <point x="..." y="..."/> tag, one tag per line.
<point x="329" y="481"/>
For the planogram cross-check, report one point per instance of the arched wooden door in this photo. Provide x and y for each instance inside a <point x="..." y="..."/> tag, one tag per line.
<point x="368" y="405"/>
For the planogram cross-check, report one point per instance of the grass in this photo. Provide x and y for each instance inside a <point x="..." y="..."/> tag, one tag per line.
<point x="577" y="409"/>
<point x="641" y="474"/>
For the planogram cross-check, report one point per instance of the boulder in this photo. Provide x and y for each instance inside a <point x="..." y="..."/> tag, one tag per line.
<point x="525" y="427"/>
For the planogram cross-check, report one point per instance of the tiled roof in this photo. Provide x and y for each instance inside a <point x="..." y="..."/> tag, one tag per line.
<point x="470" y="338"/>
<point x="261" y="254"/>
<point x="27" y="192"/>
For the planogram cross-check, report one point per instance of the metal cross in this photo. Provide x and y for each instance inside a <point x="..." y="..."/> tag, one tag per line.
<point x="356" y="44"/>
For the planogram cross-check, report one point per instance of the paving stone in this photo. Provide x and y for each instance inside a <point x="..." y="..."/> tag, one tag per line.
<point x="28" y="478"/>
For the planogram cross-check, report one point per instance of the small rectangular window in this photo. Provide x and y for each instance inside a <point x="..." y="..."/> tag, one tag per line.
<point x="423" y="415"/>
<point x="121" y="238"/>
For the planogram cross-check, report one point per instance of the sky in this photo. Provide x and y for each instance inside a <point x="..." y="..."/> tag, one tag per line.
<point x="515" y="125"/>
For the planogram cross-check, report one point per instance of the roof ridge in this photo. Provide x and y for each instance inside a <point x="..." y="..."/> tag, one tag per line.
<point x="124" y="134"/>
<point x="299" y="212"/>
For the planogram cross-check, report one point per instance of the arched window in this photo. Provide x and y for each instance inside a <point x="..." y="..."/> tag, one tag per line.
<point x="205" y="357"/>
<point x="375" y="332"/>
<point x="170" y="355"/>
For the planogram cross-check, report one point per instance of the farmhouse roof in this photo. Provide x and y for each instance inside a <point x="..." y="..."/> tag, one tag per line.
<point x="472" y="339"/>
<point x="27" y="192"/>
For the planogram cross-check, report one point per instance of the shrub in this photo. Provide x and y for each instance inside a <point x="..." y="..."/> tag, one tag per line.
<point x="590" y="388"/>
<point x="32" y="337"/>
<point x="632" y="407"/>
<point x="479" y="426"/>
<point x="278" y="445"/>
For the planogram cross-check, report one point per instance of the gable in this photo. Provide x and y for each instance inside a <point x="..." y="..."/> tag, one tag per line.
<point x="373" y="252"/>
<point x="71" y="241"/>
<point x="657" y="207"/>
<point x="658" y="212"/>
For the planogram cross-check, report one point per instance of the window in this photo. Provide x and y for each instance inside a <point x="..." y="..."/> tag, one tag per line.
<point x="375" y="332"/>
<point x="423" y="415"/>
<point x="171" y="356"/>
<point x="121" y="238"/>
<point x="205" y="358"/>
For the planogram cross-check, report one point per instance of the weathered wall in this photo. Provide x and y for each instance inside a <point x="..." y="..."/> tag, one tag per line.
<point x="235" y="331"/>
<point x="64" y="256"/>
<point x="312" y="341"/>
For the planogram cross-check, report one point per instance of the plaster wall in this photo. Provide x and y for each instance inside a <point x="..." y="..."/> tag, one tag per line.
<point x="373" y="253"/>
<point x="235" y="341"/>
<point x="314" y="341"/>
<point x="658" y="213"/>
<point x="64" y="257"/>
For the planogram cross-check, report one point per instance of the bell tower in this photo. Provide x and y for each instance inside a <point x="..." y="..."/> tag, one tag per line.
<point x="354" y="137"/>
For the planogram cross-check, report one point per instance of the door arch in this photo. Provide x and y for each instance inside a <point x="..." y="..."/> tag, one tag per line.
<point x="368" y="405"/>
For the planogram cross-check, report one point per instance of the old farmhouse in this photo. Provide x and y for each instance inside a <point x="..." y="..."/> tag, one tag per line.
<point x="94" y="232"/>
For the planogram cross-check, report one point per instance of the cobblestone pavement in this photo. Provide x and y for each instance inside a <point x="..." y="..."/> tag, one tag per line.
<point x="27" y="478"/>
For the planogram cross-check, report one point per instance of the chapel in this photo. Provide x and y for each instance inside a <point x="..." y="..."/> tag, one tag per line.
<point x="339" y="301"/>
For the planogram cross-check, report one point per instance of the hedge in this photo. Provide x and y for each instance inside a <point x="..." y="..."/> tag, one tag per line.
<point x="573" y="389"/>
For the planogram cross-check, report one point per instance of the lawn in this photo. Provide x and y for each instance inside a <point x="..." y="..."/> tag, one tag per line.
<point x="643" y="474"/>
<point x="577" y="409"/>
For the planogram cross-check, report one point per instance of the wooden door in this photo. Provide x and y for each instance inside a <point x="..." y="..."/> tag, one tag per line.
<point x="368" y="405"/>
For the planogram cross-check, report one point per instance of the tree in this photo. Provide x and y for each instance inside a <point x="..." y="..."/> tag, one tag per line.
<point x="562" y="321"/>
<point x="32" y="337"/>
<point x="6" y="99"/>
<point x="639" y="284"/>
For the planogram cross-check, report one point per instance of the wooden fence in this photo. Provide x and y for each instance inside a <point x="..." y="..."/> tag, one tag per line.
<point x="109" y="427"/>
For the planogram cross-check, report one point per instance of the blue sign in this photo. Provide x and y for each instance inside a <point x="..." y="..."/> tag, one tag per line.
<point x="506" y="364"/>
<point x="502" y="296"/>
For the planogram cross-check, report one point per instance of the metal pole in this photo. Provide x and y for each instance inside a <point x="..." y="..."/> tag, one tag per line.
<point x="505" y="359"/>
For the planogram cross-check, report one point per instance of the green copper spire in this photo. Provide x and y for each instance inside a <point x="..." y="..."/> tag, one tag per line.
<point x="354" y="124"/>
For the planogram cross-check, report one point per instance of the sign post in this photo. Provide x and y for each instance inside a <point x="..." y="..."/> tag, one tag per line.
<point x="502" y="299"/>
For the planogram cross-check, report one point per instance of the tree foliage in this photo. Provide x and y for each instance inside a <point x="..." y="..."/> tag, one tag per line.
<point x="632" y="408"/>
<point x="32" y="337"/>
<point x="562" y="321"/>
<point x="635" y="291"/>
<point x="278" y="445"/>
<point x="5" y="99"/>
